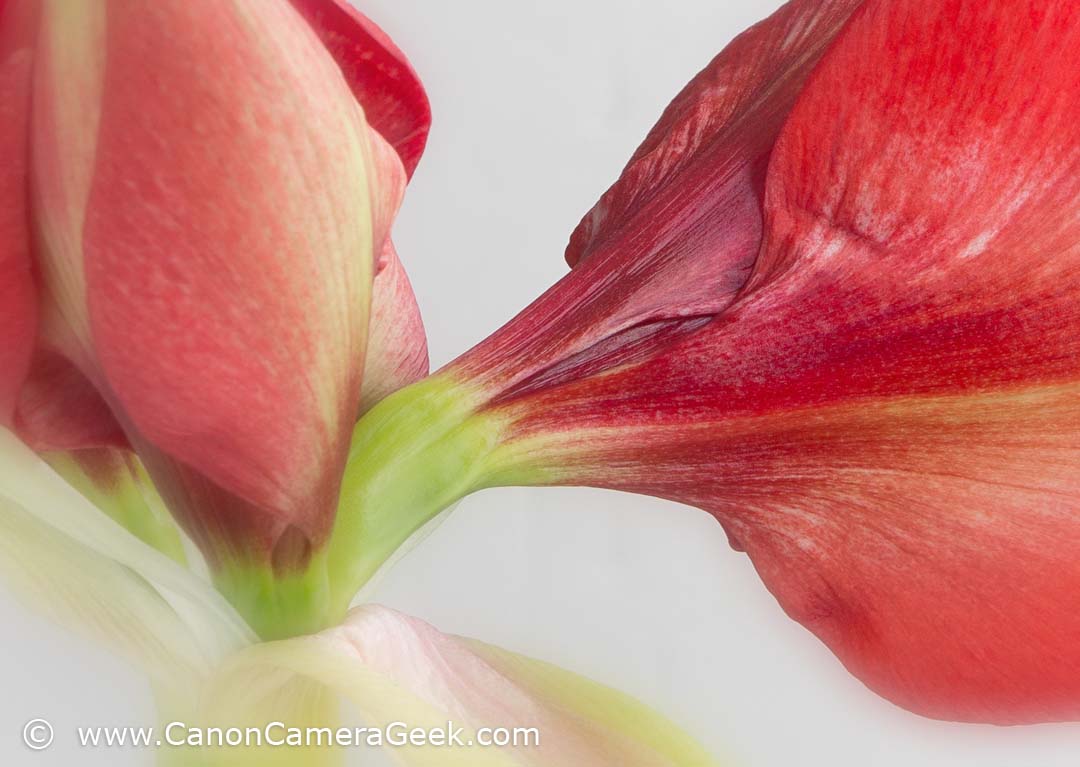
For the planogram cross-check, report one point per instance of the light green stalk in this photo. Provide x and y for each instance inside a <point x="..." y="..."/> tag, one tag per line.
<point x="129" y="498"/>
<point x="280" y="605"/>
<point x="412" y="456"/>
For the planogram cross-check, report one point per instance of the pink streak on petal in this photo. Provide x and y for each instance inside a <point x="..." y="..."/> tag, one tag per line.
<point x="18" y="299"/>
<point x="397" y="344"/>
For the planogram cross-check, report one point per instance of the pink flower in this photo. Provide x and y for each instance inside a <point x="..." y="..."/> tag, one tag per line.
<point x="197" y="200"/>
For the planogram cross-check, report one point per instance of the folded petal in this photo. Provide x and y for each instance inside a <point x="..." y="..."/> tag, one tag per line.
<point x="18" y="302"/>
<point x="397" y="352"/>
<point x="398" y="112"/>
<point x="394" y="668"/>
<point x="380" y="76"/>
<point x="397" y="342"/>
<point x="723" y="122"/>
<point x="674" y="239"/>
<point x="68" y="83"/>
<point x="59" y="409"/>
<point x="386" y="182"/>
<point x="68" y="560"/>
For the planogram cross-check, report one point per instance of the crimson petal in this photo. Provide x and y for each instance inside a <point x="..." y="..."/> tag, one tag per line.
<point x="379" y="74"/>
<point x="674" y="238"/>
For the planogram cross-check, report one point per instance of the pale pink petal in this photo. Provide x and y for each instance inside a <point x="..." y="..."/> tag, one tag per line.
<point x="397" y="345"/>
<point x="228" y="258"/>
<point x="394" y="668"/>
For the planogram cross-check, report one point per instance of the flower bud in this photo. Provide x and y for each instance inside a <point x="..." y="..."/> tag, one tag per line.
<point x="212" y="189"/>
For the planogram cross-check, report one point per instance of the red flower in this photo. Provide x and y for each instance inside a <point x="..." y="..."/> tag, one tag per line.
<point x="833" y="301"/>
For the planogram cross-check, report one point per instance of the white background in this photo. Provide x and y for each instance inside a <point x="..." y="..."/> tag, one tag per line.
<point x="537" y="106"/>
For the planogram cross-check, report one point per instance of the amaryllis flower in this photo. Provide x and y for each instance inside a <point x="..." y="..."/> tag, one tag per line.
<point x="832" y="301"/>
<point x="197" y="201"/>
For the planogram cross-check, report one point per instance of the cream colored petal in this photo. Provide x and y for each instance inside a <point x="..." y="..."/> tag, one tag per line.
<point x="68" y="82"/>
<point x="69" y="560"/>
<point x="394" y="668"/>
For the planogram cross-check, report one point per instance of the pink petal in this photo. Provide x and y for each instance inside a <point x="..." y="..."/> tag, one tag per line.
<point x="228" y="259"/>
<point x="380" y="76"/>
<point x="386" y="184"/>
<point x="68" y="81"/>
<point x="18" y="295"/>
<point x="397" y="345"/>
<point x="396" y="668"/>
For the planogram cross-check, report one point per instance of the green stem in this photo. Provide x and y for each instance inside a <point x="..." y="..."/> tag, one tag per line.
<point x="412" y="456"/>
<point x="280" y="605"/>
<point x="123" y="490"/>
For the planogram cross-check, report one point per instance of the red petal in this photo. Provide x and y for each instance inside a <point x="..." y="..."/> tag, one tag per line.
<point x="947" y="132"/>
<point x="674" y="239"/>
<point x="380" y="76"/>
<point x="228" y="260"/>
<point x="59" y="409"/>
<point x="18" y="301"/>
<point x="889" y="417"/>
<point x="723" y="124"/>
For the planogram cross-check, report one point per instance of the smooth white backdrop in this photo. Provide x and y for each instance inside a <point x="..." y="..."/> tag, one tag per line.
<point x="537" y="106"/>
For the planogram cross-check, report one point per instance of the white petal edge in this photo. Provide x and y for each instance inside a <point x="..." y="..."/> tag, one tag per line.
<point x="69" y="560"/>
